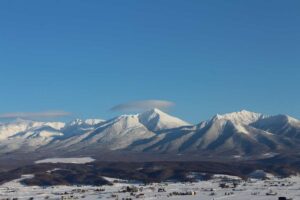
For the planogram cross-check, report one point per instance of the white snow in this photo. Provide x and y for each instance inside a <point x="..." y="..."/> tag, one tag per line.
<point x="16" y="183"/>
<point x="80" y="160"/>
<point x="10" y="129"/>
<point x="240" y="128"/>
<point x="156" y="119"/>
<point x="293" y="121"/>
<point x="123" y="131"/>
<point x="93" y="122"/>
<point x="246" y="190"/>
<point x="90" y="122"/>
<point x="47" y="134"/>
<point x="241" y="117"/>
<point x="75" y="122"/>
<point x="120" y="132"/>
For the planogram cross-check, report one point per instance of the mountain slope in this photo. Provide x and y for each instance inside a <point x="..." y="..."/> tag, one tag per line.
<point x="113" y="134"/>
<point x="218" y="135"/>
<point x="281" y="125"/>
<point x="241" y="133"/>
<point x="26" y="135"/>
<point x="121" y="132"/>
<point x="10" y="129"/>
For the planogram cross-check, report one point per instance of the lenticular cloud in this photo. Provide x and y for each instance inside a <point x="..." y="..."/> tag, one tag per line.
<point x="142" y="105"/>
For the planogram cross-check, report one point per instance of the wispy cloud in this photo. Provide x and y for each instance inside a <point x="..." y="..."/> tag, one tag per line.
<point x="143" y="105"/>
<point x="29" y="115"/>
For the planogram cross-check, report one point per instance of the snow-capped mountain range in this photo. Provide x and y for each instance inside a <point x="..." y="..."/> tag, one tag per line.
<point x="237" y="133"/>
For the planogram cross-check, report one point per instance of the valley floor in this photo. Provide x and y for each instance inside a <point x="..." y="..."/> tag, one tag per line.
<point x="220" y="187"/>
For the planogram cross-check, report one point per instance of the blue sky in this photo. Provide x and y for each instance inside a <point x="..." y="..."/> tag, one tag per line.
<point x="208" y="57"/>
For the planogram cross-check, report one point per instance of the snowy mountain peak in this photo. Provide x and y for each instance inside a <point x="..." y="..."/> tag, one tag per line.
<point x="154" y="130"/>
<point x="157" y="111"/>
<point x="75" y="122"/>
<point x="241" y="117"/>
<point x="152" y="113"/>
<point x="156" y="119"/>
<point x="129" y="120"/>
<point x="79" y="122"/>
<point x="93" y="122"/>
<point x="12" y="128"/>
<point x="55" y="125"/>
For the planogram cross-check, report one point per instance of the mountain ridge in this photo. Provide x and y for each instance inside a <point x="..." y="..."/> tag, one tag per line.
<point x="240" y="133"/>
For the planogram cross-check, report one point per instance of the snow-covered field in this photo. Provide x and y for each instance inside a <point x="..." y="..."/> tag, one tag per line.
<point x="81" y="160"/>
<point x="217" y="188"/>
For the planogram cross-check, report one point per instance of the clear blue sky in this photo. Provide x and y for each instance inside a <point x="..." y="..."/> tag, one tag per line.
<point x="208" y="57"/>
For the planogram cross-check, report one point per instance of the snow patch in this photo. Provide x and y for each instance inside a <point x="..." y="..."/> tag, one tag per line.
<point x="82" y="160"/>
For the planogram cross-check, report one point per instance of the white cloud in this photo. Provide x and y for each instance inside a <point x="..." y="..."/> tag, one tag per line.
<point x="142" y="105"/>
<point x="26" y="115"/>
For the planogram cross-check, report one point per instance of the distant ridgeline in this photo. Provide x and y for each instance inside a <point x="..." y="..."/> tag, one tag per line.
<point x="237" y="135"/>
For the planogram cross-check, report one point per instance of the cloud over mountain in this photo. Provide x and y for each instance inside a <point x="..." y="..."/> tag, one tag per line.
<point x="143" y="105"/>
